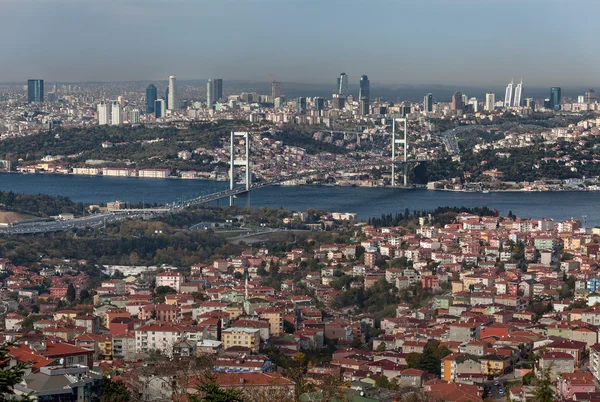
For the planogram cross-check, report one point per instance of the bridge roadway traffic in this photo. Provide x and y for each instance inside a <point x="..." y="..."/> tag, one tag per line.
<point x="99" y="220"/>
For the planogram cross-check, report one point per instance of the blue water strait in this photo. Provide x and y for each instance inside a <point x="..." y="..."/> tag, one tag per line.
<point x="366" y="202"/>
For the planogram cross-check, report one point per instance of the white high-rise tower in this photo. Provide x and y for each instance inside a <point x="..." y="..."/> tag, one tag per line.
<point x="490" y="101"/>
<point x="508" y="95"/>
<point x="518" y="94"/>
<point x="103" y="114"/>
<point x="172" y="101"/>
<point x="116" y="113"/>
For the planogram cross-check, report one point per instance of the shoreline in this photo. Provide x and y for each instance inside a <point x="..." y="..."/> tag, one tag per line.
<point x="420" y="187"/>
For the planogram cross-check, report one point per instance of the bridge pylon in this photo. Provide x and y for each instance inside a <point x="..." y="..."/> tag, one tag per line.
<point x="244" y="161"/>
<point x="403" y="142"/>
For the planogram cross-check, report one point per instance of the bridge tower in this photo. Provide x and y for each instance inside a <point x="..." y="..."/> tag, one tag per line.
<point x="245" y="161"/>
<point x="403" y="142"/>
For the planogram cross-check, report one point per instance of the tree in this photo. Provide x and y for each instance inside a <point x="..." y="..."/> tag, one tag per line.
<point x="543" y="386"/>
<point x="114" y="391"/>
<point x="84" y="295"/>
<point x="209" y="391"/>
<point x="381" y="347"/>
<point x="162" y="290"/>
<point x="10" y="376"/>
<point x="71" y="294"/>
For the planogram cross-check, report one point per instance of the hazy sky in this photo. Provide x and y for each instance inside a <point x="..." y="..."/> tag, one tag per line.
<point x="469" y="42"/>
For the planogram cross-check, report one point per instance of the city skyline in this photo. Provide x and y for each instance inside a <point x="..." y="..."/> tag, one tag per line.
<point x="415" y="61"/>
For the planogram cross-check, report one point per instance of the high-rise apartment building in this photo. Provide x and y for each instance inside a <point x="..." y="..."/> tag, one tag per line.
<point x="301" y="105"/>
<point x="342" y="88"/>
<point x="151" y="96"/>
<point x="365" y="88"/>
<point x="275" y="90"/>
<point x="518" y="94"/>
<point x="103" y="113"/>
<point x="319" y="104"/>
<point x="555" y="95"/>
<point x="457" y="101"/>
<point x="530" y="103"/>
<point x="590" y="96"/>
<point x="134" y="116"/>
<point x="35" y="91"/>
<point x="172" y="101"/>
<point x="428" y="103"/>
<point x="116" y="113"/>
<point x="490" y="102"/>
<point x="338" y="101"/>
<point x="474" y="104"/>
<point x="508" y="95"/>
<point x="364" y="107"/>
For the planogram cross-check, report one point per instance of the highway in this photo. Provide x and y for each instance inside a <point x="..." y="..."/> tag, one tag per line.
<point x="98" y="220"/>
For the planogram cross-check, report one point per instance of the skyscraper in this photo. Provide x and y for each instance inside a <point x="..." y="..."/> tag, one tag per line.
<point x="103" y="113"/>
<point x="35" y="91"/>
<point x="590" y="96"/>
<point x="508" y="95"/>
<point x="116" y="114"/>
<point x="301" y="105"/>
<point x="166" y="98"/>
<point x="518" y="94"/>
<point x="555" y="98"/>
<point x="218" y="90"/>
<point x="210" y="90"/>
<point x="428" y="103"/>
<point x="490" y="102"/>
<point x="159" y="108"/>
<point x="151" y="96"/>
<point x="173" y="102"/>
<point x="365" y="88"/>
<point x="457" y="101"/>
<point x="319" y="104"/>
<point x="275" y="90"/>
<point x="343" y="85"/>
<point x="214" y="91"/>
